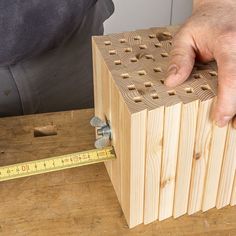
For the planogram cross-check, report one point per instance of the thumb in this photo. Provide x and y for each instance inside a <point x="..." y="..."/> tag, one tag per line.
<point x="225" y="107"/>
<point x="182" y="58"/>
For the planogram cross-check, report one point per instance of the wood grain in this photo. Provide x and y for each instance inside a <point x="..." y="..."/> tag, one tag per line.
<point x="228" y="170"/>
<point x="185" y="157"/>
<point x="214" y="167"/>
<point x="201" y="155"/>
<point x="153" y="164"/>
<point x="169" y="160"/>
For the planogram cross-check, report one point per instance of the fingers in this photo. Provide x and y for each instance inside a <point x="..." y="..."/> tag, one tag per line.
<point x="225" y="108"/>
<point x="182" y="58"/>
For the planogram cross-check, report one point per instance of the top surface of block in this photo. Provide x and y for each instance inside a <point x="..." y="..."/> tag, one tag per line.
<point x="138" y="62"/>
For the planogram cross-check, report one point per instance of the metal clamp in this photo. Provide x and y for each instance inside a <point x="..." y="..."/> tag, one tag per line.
<point x="103" y="130"/>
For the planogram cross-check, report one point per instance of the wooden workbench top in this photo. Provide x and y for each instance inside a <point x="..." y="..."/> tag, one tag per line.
<point x="77" y="201"/>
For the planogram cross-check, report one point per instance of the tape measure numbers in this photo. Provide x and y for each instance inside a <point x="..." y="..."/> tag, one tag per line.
<point x="51" y="164"/>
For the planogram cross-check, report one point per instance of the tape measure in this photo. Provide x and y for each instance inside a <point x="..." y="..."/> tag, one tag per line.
<point x="51" y="164"/>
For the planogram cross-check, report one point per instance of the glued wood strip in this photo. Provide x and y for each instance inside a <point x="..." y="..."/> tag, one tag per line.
<point x="228" y="170"/>
<point x="185" y="157"/>
<point x="169" y="160"/>
<point x="153" y="164"/>
<point x="201" y="155"/>
<point x="214" y="167"/>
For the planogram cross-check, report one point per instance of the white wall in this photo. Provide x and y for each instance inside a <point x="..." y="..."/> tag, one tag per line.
<point x="181" y="10"/>
<point x="141" y="14"/>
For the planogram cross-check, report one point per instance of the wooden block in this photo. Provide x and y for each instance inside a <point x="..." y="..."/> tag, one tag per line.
<point x="228" y="170"/>
<point x="162" y="136"/>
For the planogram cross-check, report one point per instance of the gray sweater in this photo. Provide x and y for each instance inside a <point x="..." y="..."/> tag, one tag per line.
<point x="30" y="27"/>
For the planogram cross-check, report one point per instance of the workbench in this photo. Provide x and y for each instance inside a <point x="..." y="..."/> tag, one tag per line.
<point x="79" y="201"/>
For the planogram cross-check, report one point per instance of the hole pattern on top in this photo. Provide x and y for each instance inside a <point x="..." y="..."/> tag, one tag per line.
<point x="151" y="47"/>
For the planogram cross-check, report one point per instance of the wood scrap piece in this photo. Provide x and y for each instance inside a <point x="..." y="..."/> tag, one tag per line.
<point x="228" y="170"/>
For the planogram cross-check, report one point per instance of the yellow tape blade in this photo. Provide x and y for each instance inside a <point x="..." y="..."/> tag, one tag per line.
<point x="51" y="164"/>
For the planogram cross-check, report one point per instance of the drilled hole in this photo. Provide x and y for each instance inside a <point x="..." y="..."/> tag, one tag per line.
<point x="143" y="46"/>
<point x="112" y="52"/>
<point x="131" y="87"/>
<point x="164" y="54"/>
<point x="154" y="96"/>
<point x="107" y="43"/>
<point x="188" y="90"/>
<point x="125" y="75"/>
<point x="148" y="84"/>
<point x="137" y="37"/>
<point x="213" y="73"/>
<point x="152" y="36"/>
<point x="158" y="45"/>
<point x="149" y="57"/>
<point x="134" y="59"/>
<point x="117" y="63"/>
<point x="128" y="49"/>
<point x="164" y="36"/>
<point x="122" y="40"/>
<point x="171" y="93"/>
<point x="205" y="87"/>
<point x="162" y="81"/>
<point x="157" y="69"/>
<point x="137" y="99"/>
<point x="197" y="76"/>
<point x="43" y="131"/>
<point x="142" y="72"/>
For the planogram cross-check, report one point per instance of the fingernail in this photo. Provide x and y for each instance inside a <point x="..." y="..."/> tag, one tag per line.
<point x="172" y="70"/>
<point x="223" y="121"/>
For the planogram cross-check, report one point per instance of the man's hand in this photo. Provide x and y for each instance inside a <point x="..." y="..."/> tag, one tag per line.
<point x="210" y="33"/>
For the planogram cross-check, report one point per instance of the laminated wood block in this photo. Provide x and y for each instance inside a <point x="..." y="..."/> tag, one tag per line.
<point x="171" y="158"/>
